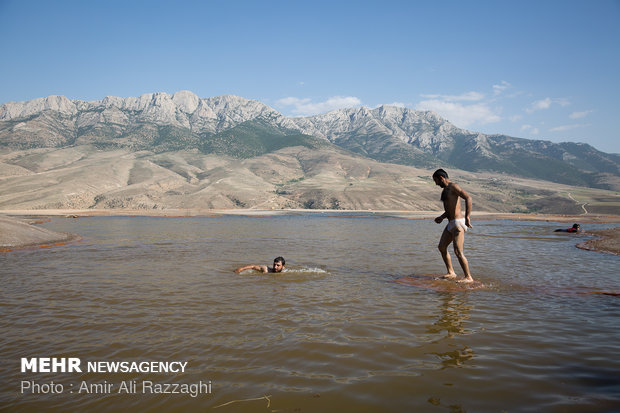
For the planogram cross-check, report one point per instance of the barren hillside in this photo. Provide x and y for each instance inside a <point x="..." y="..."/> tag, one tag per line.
<point x="84" y="177"/>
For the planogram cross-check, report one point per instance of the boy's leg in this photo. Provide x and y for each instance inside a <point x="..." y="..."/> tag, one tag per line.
<point x="459" y="242"/>
<point x="446" y="239"/>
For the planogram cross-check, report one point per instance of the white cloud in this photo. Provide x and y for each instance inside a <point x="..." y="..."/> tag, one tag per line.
<point x="466" y="109"/>
<point x="461" y="109"/>
<point x="579" y="115"/>
<point x="459" y="114"/>
<point x="539" y="105"/>
<point x="564" y="128"/>
<point x="468" y="96"/>
<point x="395" y="104"/>
<point x="546" y="104"/>
<point x="497" y="89"/>
<point x="515" y="118"/>
<point x="530" y="128"/>
<point x="305" y="106"/>
<point x="291" y="101"/>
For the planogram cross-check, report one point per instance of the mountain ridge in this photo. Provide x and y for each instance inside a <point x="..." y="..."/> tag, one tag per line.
<point x="241" y="127"/>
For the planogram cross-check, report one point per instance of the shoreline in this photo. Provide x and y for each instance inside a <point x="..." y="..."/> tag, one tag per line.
<point x="17" y="234"/>
<point x="18" y="229"/>
<point x="606" y="241"/>
<point x="478" y="215"/>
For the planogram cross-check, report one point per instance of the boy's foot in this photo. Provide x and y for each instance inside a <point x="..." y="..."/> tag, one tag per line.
<point x="466" y="280"/>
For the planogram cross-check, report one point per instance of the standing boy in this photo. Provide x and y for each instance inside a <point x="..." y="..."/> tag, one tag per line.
<point x="457" y="225"/>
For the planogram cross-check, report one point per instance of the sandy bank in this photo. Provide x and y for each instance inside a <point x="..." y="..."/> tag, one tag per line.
<point x="608" y="240"/>
<point x="16" y="233"/>
<point x="476" y="215"/>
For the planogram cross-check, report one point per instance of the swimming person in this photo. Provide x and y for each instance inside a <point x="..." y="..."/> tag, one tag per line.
<point x="457" y="225"/>
<point x="278" y="266"/>
<point x="575" y="228"/>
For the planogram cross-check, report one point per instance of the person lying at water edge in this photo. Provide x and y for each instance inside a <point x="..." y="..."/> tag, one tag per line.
<point x="454" y="232"/>
<point x="278" y="266"/>
<point x="575" y="228"/>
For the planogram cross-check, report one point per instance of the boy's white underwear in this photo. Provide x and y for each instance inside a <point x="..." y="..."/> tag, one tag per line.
<point x="457" y="223"/>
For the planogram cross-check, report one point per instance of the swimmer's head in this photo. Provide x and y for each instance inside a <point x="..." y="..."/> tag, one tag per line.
<point x="440" y="177"/>
<point x="576" y="226"/>
<point x="278" y="264"/>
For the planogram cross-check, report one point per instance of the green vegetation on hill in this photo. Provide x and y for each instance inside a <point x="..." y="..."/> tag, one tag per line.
<point x="246" y="140"/>
<point x="385" y="148"/>
<point x="254" y="138"/>
<point x="519" y="160"/>
<point x="589" y="159"/>
<point x="173" y="138"/>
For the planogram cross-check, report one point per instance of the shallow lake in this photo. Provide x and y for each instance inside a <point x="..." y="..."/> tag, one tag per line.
<point x="335" y="333"/>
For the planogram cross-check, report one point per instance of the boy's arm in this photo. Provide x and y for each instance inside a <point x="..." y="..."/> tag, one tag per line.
<point x="468" y="203"/>
<point x="441" y="217"/>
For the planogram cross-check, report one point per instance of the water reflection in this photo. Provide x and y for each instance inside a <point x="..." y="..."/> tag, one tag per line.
<point x="455" y="311"/>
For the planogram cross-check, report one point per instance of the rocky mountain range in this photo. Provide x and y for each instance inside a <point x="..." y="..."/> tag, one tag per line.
<point x="243" y="128"/>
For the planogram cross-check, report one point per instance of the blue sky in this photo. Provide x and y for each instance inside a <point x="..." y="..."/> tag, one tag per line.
<point x="532" y="69"/>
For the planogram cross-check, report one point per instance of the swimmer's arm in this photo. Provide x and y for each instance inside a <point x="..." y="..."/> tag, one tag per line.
<point x="261" y="268"/>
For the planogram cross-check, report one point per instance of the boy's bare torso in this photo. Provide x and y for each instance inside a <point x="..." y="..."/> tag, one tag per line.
<point x="451" y="201"/>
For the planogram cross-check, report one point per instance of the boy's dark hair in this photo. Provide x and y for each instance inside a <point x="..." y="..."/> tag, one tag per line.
<point x="440" y="172"/>
<point x="279" y="259"/>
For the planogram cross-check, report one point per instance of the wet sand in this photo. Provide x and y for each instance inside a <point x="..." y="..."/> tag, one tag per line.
<point x="18" y="233"/>
<point x="608" y="240"/>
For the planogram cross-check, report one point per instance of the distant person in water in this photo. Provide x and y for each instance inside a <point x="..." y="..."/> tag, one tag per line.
<point x="454" y="232"/>
<point x="278" y="266"/>
<point x="575" y="228"/>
